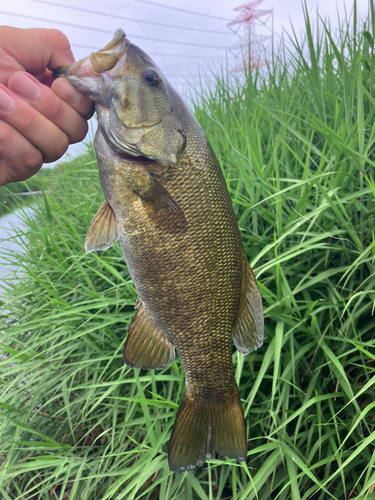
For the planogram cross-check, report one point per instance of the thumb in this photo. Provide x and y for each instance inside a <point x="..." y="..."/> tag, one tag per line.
<point x="36" y="49"/>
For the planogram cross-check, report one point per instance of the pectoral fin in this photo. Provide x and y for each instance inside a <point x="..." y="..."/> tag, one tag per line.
<point x="162" y="208"/>
<point x="103" y="230"/>
<point x="146" y="347"/>
<point x="248" y="330"/>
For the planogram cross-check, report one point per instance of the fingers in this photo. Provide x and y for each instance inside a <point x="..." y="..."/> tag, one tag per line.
<point x="36" y="49"/>
<point x="36" y="122"/>
<point x="39" y="104"/>
<point x="79" y="102"/>
<point x="19" y="159"/>
<point x="36" y="128"/>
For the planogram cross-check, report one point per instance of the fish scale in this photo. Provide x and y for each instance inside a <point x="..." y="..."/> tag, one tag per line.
<point x="167" y="202"/>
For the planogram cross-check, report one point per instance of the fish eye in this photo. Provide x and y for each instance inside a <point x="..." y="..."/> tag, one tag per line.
<point x="151" y="77"/>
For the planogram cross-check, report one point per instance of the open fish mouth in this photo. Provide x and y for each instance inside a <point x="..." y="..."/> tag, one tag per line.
<point x="97" y="62"/>
<point x="95" y="74"/>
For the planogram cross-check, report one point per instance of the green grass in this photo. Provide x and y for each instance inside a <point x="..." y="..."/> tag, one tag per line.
<point x="11" y="195"/>
<point x="296" y="141"/>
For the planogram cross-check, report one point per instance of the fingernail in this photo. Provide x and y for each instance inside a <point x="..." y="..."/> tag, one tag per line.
<point x="66" y="91"/>
<point x="26" y="87"/>
<point x="6" y="101"/>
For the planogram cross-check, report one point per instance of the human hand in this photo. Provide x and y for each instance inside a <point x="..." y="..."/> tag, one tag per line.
<point x="39" y="117"/>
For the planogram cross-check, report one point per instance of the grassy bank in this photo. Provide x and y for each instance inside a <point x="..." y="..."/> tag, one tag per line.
<point x="12" y="196"/>
<point x="296" y="143"/>
<point x="20" y="194"/>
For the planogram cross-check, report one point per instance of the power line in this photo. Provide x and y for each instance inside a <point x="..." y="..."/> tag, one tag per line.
<point x="184" y="10"/>
<point x="72" y="25"/>
<point x="131" y="18"/>
<point x="154" y="54"/>
<point x="26" y="16"/>
<point x="179" y="43"/>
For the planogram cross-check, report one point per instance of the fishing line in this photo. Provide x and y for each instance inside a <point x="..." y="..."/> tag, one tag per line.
<point x="274" y="188"/>
<point x="187" y="89"/>
<point x="153" y="43"/>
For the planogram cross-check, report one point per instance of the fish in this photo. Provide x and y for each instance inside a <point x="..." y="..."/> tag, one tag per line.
<point x="166" y="201"/>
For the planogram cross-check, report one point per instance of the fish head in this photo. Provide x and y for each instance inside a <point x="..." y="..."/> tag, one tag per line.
<point x="137" y="109"/>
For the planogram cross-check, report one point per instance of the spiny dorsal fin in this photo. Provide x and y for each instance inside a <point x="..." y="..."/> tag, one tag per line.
<point x="248" y="331"/>
<point x="146" y="347"/>
<point x="103" y="230"/>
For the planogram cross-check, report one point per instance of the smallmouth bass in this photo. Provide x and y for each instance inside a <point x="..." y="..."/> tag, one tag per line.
<point x="166" y="201"/>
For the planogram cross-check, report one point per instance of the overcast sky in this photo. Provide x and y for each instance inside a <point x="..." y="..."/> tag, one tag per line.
<point x="183" y="39"/>
<point x="180" y="36"/>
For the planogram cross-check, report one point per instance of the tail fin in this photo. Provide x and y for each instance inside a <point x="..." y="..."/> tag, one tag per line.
<point x="200" y="429"/>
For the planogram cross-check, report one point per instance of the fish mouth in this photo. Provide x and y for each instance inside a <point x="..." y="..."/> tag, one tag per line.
<point x="97" y="62"/>
<point x="115" y="80"/>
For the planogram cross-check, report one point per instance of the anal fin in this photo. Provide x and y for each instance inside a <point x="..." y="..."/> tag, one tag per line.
<point x="248" y="331"/>
<point x="146" y="347"/>
<point x="103" y="230"/>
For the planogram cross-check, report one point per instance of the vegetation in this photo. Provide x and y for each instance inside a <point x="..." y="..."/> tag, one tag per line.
<point x="297" y="145"/>
<point x="20" y="194"/>
<point x="13" y="195"/>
